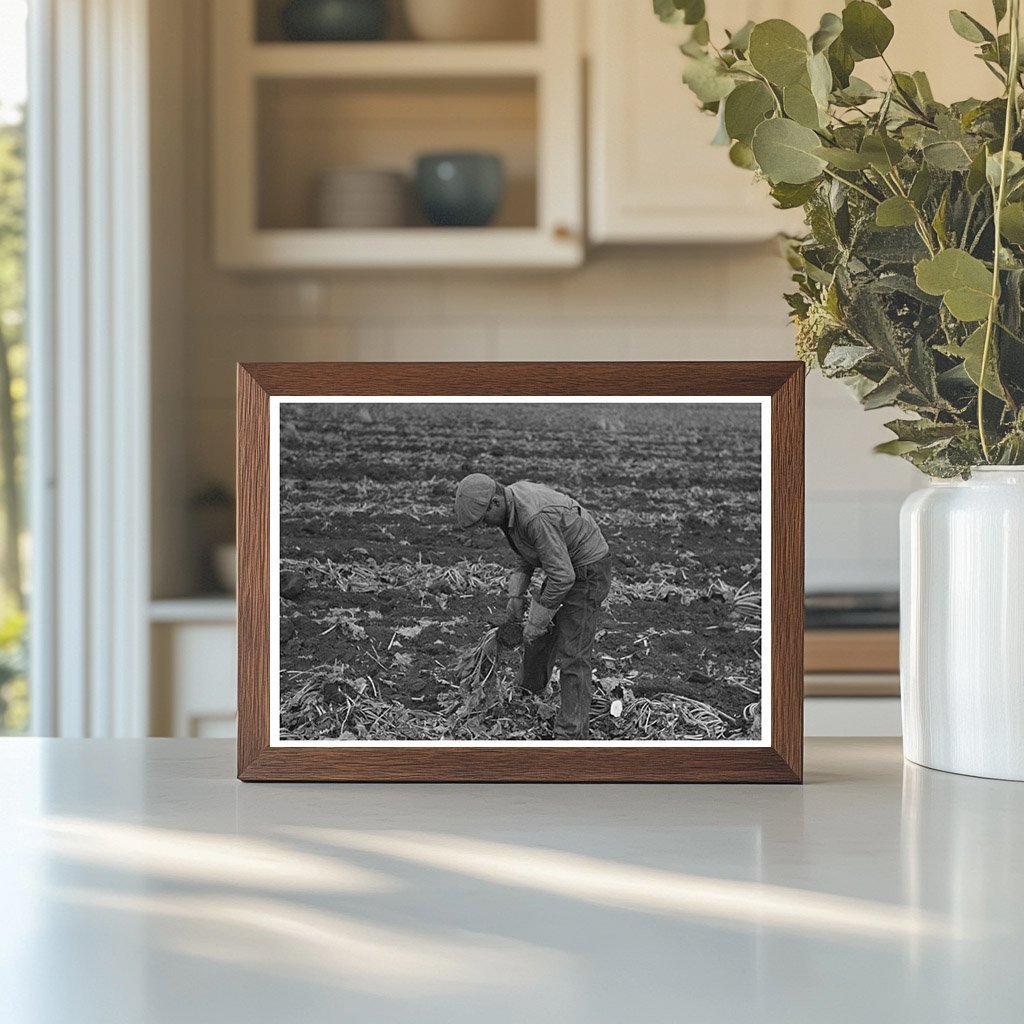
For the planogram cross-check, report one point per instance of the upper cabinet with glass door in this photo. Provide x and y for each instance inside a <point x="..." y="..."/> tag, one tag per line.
<point x="653" y="174"/>
<point x="369" y="133"/>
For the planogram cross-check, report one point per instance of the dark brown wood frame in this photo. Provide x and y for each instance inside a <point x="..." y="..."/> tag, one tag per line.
<point x="781" y="762"/>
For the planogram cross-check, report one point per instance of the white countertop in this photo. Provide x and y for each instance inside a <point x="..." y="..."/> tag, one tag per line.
<point x="143" y="885"/>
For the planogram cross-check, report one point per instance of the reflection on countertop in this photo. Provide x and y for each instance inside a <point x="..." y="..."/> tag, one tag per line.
<point x="877" y="891"/>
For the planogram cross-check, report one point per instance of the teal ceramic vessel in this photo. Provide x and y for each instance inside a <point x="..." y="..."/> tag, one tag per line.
<point x="461" y="190"/>
<point x="334" y="21"/>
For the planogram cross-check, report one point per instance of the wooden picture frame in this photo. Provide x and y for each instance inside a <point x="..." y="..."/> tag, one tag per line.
<point x="778" y="759"/>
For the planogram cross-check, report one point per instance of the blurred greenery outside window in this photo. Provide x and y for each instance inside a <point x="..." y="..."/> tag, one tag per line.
<point x="14" y="691"/>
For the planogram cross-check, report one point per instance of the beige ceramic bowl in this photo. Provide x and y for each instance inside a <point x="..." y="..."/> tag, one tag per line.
<point x="471" y="20"/>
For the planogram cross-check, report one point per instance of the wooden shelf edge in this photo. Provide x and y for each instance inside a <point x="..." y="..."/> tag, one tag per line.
<point x="851" y="684"/>
<point x="852" y="650"/>
<point x="408" y="248"/>
<point x="393" y="60"/>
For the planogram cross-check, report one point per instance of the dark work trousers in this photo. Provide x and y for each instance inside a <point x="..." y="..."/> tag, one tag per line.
<point x="569" y="643"/>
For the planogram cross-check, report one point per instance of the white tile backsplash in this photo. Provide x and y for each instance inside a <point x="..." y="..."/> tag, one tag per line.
<point x="509" y="298"/>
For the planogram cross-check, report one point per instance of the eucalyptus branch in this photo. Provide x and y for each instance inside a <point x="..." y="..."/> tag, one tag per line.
<point x="853" y="185"/>
<point x="981" y="231"/>
<point x="1000" y="199"/>
<point x="771" y="89"/>
<point x="969" y="218"/>
<point x="913" y="293"/>
<point x="923" y="227"/>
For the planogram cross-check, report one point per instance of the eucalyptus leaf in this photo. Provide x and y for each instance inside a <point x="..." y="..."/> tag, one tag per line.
<point x="858" y="91"/>
<point x="969" y="28"/>
<point x="895" y="212"/>
<point x="739" y="41"/>
<point x="947" y="156"/>
<point x="976" y="178"/>
<point x="721" y="136"/>
<point x="922" y="185"/>
<point x="963" y="281"/>
<point x="800" y="105"/>
<point x="967" y="304"/>
<point x="789" y="197"/>
<point x="939" y="220"/>
<point x="708" y="80"/>
<point x="745" y="108"/>
<point x="785" y="152"/>
<point x="844" y="159"/>
<point x="1014" y="169"/>
<point x="741" y="155"/>
<point x="906" y="87"/>
<point x="883" y="153"/>
<point x="972" y="353"/>
<point x="668" y="11"/>
<point x="924" y="87"/>
<point x="866" y="29"/>
<point x="895" y="447"/>
<point x="841" y="60"/>
<point x="923" y="431"/>
<point x="829" y="30"/>
<point x="1012" y="225"/>
<point x="695" y="10"/>
<point x="676" y="12"/>
<point x="820" y="76"/>
<point x="884" y="395"/>
<point x="779" y="51"/>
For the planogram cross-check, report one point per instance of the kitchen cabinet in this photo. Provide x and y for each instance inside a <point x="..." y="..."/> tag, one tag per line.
<point x="287" y="113"/>
<point x="193" y="672"/>
<point x="653" y="175"/>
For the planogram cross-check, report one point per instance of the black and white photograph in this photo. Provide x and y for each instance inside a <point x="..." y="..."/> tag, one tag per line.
<point x="520" y="571"/>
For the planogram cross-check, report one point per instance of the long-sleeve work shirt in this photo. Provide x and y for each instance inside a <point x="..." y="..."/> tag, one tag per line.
<point x="549" y="530"/>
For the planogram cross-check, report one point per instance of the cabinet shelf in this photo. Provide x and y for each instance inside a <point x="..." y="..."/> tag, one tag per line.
<point x="393" y="60"/>
<point x="311" y="248"/>
<point x="286" y="113"/>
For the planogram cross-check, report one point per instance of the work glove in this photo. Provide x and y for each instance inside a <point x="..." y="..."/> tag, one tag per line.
<point x="538" y="622"/>
<point x="514" y="609"/>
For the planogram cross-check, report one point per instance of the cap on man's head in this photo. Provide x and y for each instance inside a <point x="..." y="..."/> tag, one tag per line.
<point x="472" y="497"/>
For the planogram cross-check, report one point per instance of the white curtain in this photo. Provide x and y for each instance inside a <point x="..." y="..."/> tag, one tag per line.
<point x="88" y="317"/>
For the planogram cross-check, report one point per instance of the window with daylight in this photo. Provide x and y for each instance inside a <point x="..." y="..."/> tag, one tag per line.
<point x="14" y="548"/>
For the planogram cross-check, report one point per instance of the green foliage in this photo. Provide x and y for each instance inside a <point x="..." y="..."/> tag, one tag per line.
<point x="13" y="688"/>
<point x="12" y="216"/>
<point x="785" y="152"/>
<point x="904" y="291"/>
<point x="13" y="414"/>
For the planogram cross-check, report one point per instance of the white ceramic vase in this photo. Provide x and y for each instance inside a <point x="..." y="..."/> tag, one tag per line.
<point x="962" y="624"/>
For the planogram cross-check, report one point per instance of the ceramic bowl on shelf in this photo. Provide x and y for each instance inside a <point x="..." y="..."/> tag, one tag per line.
<point x="469" y="20"/>
<point x="460" y="189"/>
<point x="361" y="198"/>
<point x="332" y="21"/>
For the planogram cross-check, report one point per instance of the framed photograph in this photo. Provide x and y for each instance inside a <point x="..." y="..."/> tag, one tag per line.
<point x="520" y="572"/>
